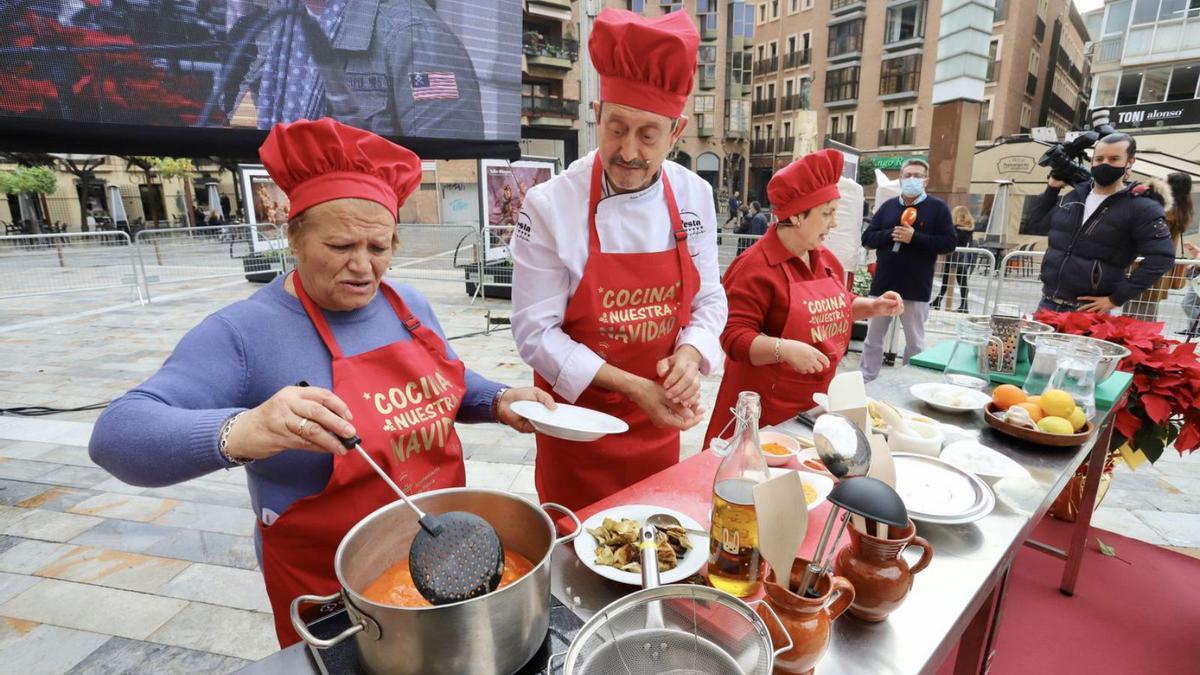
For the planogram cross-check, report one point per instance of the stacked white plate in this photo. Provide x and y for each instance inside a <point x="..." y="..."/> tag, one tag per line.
<point x="938" y="492"/>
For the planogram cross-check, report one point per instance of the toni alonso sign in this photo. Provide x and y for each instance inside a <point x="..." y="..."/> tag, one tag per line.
<point x="1167" y="114"/>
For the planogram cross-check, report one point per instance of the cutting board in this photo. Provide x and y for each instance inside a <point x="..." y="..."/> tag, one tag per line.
<point x="1107" y="392"/>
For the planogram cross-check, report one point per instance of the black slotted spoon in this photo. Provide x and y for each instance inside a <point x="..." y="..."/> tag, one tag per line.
<point x="455" y="555"/>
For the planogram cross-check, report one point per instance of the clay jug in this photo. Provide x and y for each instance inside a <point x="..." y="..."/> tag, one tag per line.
<point x="881" y="578"/>
<point x="807" y="620"/>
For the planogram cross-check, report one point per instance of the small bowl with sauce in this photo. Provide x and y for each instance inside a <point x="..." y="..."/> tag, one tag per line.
<point x="778" y="449"/>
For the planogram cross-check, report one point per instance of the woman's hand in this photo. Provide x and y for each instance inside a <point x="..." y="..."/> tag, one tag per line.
<point x="652" y="398"/>
<point x="803" y="357"/>
<point x="505" y="414"/>
<point x="889" y="304"/>
<point x="304" y="418"/>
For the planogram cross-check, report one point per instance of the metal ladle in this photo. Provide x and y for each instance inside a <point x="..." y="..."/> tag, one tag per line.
<point x="846" y="453"/>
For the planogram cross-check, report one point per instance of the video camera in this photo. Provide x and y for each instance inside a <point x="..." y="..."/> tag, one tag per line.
<point x="1068" y="161"/>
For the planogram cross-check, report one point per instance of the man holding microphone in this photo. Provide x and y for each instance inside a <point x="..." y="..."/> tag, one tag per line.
<point x="908" y="233"/>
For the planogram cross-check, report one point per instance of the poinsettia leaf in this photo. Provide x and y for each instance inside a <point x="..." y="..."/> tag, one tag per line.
<point x="1127" y="423"/>
<point x="1189" y="437"/>
<point x="1172" y="433"/>
<point x="1156" y="407"/>
<point x="1105" y="549"/>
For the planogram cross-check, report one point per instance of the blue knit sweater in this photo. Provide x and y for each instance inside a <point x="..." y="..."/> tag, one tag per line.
<point x="909" y="271"/>
<point x="165" y="430"/>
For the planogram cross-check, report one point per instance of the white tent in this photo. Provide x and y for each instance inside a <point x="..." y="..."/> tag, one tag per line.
<point x="116" y="205"/>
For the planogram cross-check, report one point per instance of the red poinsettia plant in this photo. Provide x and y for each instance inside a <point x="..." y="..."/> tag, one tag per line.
<point x="1163" y="406"/>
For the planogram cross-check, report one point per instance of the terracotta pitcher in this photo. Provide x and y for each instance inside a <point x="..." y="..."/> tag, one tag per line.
<point x="880" y="576"/>
<point x="807" y="620"/>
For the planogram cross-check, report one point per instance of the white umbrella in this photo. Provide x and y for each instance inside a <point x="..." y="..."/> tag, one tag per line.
<point x="116" y="205"/>
<point x="214" y="200"/>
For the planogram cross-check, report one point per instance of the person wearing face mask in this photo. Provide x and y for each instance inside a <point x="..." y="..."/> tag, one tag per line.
<point x="617" y="298"/>
<point x="790" y="313"/>
<point x="1097" y="230"/>
<point x="908" y="233"/>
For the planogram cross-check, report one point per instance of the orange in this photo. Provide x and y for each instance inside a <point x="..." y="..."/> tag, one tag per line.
<point x="1007" y="395"/>
<point x="1036" y="400"/>
<point x="1035" y="411"/>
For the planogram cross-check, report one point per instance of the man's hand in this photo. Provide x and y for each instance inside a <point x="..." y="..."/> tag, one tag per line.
<point x="803" y="358"/>
<point x="1192" y="250"/>
<point x="651" y="397"/>
<point x="504" y="411"/>
<point x="902" y="233"/>
<point x="1099" y="305"/>
<point x="1055" y="183"/>
<point x="680" y="375"/>
<point x="889" y="304"/>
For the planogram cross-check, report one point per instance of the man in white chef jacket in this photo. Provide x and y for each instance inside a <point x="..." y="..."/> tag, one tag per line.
<point x="622" y="312"/>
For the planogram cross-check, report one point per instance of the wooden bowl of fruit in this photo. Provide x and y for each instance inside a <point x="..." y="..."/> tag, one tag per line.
<point x="1028" y="418"/>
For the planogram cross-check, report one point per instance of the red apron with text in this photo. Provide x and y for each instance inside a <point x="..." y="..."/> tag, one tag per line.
<point x="629" y="309"/>
<point x="819" y="314"/>
<point x="404" y="397"/>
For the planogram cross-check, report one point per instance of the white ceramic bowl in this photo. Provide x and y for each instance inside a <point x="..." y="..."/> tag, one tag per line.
<point x="792" y="445"/>
<point x="919" y="438"/>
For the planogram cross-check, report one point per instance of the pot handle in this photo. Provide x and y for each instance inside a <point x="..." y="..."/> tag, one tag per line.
<point x="926" y="554"/>
<point x="779" y="622"/>
<point x="554" y="657"/>
<point x="302" y="629"/>
<point x="551" y="506"/>
<point x="844" y="599"/>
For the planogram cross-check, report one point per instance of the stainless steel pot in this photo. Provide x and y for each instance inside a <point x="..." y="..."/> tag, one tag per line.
<point x="494" y="634"/>
<point x="1112" y="354"/>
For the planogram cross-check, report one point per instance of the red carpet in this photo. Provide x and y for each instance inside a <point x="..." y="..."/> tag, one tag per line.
<point x="1137" y="618"/>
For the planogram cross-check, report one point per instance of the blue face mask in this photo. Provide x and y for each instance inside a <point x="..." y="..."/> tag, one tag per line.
<point x="912" y="188"/>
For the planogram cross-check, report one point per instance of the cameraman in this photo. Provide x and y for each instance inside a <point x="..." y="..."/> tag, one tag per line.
<point x="1096" y="232"/>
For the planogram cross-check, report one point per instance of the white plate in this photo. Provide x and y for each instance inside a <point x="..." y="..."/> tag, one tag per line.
<point x="937" y="492"/>
<point x="822" y="484"/>
<point x="585" y="544"/>
<point x="949" y="397"/>
<point x="570" y="422"/>
<point x="974" y="457"/>
<point x="821" y="400"/>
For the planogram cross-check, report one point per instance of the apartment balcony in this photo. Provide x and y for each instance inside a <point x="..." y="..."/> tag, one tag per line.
<point x="765" y="66"/>
<point x="761" y="146"/>
<point x="796" y="59"/>
<point x="549" y="111"/>
<point x="1061" y="107"/>
<point x="845" y="47"/>
<point x="551" y="9"/>
<point x="763" y="107"/>
<point x="1039" y="30"/>
<point x="705" y="130"/>
<point x="785" y="145"/>
<point x="844" y="137"/>
<point x="993" y="71"/>
<point x="1030" y="84"/>
<point x="550" y="52"/>
<point x="984" y="131"/>
<point x="709" y="33"/>
<point x="793" y="102"/>
<point x="890" y="137"/>
<point x="846" y="6"/>
<point x="1109" y="50"/>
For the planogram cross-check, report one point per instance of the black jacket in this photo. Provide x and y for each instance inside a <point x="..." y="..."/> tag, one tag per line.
<point x="1092" y="258"/>
<point x="909" y="271"/>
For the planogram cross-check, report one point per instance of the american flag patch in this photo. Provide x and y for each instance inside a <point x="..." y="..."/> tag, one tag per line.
<point x="433" y="86"/>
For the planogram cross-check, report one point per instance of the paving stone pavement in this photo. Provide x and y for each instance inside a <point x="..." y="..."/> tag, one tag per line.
<point x="101" y="577"/>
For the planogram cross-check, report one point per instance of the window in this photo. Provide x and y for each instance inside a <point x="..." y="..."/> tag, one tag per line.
<point x="993" y="69"/>
<point x="1130" y="87"/>
<point x="707" y="65"/>
<point x="770" y="91"/>
<point x="762" y="53"/>
<point x="834" y="122"/>
<point x="788" y="88"/>
<point x="805" y="93"/>
<point x="773" y="48"/>
<point x="1035" y="62"/>
<point x="808" y="4"/>
<point x="1172" y="9"/>
<point x="806" y="41"/>
<point x="791" y="44"/>
<point x="762" y="13"/>
<point x="757" y="133"/>
<point x="1154" y="85"/>
<point x="1183" y="82"/>
<point x="706" y="12"/>
<point x="638" y="6"/>
<point x="774" y="9"/>
<point x="669" y="6"/>
<point x="898" y="76"/>
<point x="905" y="22"/>
<point x="889" y="120"/>
<point x="908" y="117"/>
<point x="1000" y="12"/>
<point x="841" y="84"/>
<point x="1116" y="18"/>
<point x="1104" y="90"/>
<point x="849" y="124"/>
<point x="787" y="130"/>
<point x="1026" y="112"/>
<point x="793" y="6"/>
<point x="845" y="38"/>
<point x="770" y="131"/>
<point x="1144" y="11"/>
<point x="758" y="93"/>
<point x="703" y="106"/>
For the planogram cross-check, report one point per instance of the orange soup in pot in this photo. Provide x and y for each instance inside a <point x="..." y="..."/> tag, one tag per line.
<point x="395" y="586"/>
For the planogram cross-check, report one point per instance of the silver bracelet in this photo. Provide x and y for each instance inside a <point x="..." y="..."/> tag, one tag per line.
<point x="496" y="403"/>
<point x="223" y="440"/>
<point x="778" y="350"/>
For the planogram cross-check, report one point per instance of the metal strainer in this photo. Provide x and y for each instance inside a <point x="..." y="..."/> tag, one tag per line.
<point x="674" y="630"/>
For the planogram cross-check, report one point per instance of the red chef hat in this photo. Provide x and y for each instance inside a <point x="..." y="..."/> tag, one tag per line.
<point x="322" y="160"/>
<point x="643" y="63"/>
<point x="805" y="183"/>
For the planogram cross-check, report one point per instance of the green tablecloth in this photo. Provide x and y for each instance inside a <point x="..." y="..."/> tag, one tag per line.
<point x="1107" y="391"/>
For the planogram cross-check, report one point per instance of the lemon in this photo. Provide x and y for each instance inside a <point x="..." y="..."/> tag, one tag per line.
<point x="1055" y="425"/>
<point x="1057" y="403"/>
<point x="1077" y="418"/>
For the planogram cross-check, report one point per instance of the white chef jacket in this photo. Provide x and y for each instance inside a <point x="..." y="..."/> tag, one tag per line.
<point x="550" y="247"/>
<point x="845" y="239"/>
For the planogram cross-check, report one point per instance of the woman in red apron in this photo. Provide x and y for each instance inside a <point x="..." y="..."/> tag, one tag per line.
<point x="373" y="353"/>
<point x="790" y="314"/>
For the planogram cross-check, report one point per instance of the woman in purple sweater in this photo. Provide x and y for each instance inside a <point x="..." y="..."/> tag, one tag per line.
<point x="376" y="358"/>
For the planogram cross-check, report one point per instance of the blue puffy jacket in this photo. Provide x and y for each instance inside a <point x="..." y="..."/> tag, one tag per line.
<point x="1093" y="258"/>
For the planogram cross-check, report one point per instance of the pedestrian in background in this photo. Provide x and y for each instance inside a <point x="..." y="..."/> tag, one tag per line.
<point x="958" y="264"/>
<point x="754" y="223"/>
<point x="1178" y="218"/>
<point x="907" y="254"/>
<point x="735" y="208"/>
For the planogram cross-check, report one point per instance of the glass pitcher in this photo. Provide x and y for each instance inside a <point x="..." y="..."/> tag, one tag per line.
<point x="1075" y="373"/>
<point x="968" y="362"/>
<point x="1045" y="360"/>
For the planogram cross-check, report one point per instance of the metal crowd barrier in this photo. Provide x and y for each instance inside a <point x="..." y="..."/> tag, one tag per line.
<point x="66" y="262"/>
<point x="449" y="253"/>
<point x="962" y="284"/>
<point x="174" y="255"/>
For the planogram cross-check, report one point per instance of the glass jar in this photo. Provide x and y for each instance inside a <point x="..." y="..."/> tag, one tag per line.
<point x="968" y="363"/>
<point x="1075" y="373"/>
<point x="735" y="564"/>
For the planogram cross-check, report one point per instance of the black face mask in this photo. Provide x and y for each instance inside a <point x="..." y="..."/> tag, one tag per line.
<point x="1107" y="174"/>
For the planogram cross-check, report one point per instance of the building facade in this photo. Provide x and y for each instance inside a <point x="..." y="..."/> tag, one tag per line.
<point x="861" y="73"/>
<point x="1146" y="63"/>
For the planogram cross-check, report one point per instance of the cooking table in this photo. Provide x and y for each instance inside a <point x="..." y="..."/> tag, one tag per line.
<point x="956" y="599"/>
